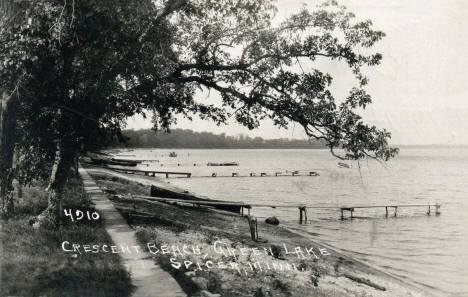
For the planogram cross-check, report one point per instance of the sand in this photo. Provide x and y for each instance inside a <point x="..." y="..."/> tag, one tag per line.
<point x="229" y="263"/>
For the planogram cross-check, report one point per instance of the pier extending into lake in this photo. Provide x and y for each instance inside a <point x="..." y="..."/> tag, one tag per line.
<point x="301" y="207"/>
<point x="146" y="172"/>
<point x="291" y="173"/>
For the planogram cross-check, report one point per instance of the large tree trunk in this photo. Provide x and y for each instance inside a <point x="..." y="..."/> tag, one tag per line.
<point x="7" y="142"/>
<point x="64" y="158"/>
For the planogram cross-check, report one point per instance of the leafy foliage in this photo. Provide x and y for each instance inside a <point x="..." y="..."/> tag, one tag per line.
<point x="181" y="138"/>
<point x="79" y="68"/>
<point x="256" y="67"/>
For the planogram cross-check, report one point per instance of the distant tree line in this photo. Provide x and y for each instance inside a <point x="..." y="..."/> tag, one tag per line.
<point x="184" y="138"/>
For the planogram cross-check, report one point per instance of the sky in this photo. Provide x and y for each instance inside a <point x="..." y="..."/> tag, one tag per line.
<point x="419" y="90"/>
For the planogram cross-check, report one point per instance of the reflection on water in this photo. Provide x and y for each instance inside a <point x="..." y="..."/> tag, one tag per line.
<point x="428" y="250"/>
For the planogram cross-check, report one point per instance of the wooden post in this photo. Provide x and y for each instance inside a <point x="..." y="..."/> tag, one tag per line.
<point x="167" y="175"/>
<point x="146" y="173"/>
<point x="342" y="216"/>
<point x="396" y="208"/>
<point x="302" y="215"/>
<point x="351" y="210"/>
<point x="437" y="207"/>
<point x="428" y="210"/>
<point x="256" y="229"/>
<point x="253" y="228"/>
<point x="386" y="211"/>
<point x="133" y="199"/>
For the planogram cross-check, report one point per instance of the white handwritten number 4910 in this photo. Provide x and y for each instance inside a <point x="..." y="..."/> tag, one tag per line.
<point x="80" y="215"/>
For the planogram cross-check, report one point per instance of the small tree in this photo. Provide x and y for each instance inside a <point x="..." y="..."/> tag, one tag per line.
<point x="80" y="68"/>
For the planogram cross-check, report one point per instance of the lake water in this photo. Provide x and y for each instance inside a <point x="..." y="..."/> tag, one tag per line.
<point x="431" y="251"/>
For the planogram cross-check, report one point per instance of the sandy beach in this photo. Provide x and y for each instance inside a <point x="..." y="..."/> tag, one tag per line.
<point x="207" y="250"/>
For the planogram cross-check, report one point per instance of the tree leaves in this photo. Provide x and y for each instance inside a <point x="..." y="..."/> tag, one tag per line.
<point x="87" y="65"/>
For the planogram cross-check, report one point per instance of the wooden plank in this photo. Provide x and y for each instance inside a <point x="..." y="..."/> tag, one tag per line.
<point x="300" y="206"/>
<point x="341" y="207"/>
<point x="151" y="171"/>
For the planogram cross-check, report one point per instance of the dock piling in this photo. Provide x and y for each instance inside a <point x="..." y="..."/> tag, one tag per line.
<point x="253" y="227"/>
<point x="350" y="209"/>
<point x="428" y="210"/>
<point x="386" y="211"/>
<point x="437" y="209"/>
<point x="302" y="214"/>
<point x="256" y="229"/>
<point x="396" y="208"/>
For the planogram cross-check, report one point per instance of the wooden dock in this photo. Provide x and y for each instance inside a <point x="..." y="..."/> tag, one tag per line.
<point x="151" y="172"/>
<point x="263" y="174"/>
<point x="301" y="207"/>
<point x="293" y="173"/>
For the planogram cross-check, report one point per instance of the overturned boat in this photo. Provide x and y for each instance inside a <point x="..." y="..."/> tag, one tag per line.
<point x="112" y="161"/>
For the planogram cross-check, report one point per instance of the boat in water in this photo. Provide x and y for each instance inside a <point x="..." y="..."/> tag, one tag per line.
<point x="222" y="164"/>
<point x="343" y="165"/>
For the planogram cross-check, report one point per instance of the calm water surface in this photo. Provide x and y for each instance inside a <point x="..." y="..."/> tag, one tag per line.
<point x="431" y="251"/>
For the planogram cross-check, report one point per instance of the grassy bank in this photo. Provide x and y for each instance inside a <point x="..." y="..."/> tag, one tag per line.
<point x="33" y="263"/>
<point x="229" y="263"/>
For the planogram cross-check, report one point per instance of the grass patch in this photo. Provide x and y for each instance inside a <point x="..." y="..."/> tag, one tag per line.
<point x="34" y="264"/>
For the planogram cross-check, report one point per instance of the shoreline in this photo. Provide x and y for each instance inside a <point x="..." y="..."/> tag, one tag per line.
<point x="338" y="272"/>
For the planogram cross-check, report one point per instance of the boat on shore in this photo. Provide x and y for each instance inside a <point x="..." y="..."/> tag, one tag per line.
<point x="100" y="159"/>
